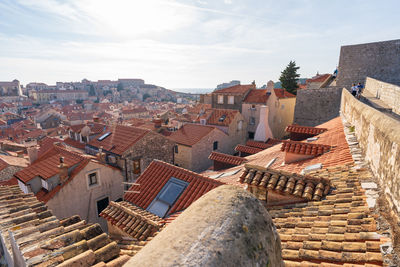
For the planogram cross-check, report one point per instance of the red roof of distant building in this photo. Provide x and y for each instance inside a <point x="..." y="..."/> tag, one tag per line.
<point x="258" y="144"/>
<point x="225" y="158"/>
<point x="319" y="79"/>
<point x="47" y="166"/>
<point x="45" y="144"/>
<point x="304" y="129"/>
<point x="157" y="174"/>
<point x="190" y="134"/>
<point x="74" y="143"/>
<point x="247" y="149"/>
<point x="12" y="181"/>
<point x="120" y="139"/>
<point x="217" y="115"/>
<point x="304" y="148"/>
<point x="257" y="96"/>
<point x="282" y="93"/>
<point x="236" y="89"/>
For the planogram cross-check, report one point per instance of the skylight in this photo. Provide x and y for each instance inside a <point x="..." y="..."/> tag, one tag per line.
<point x="167" y="196"/>
<point x="104" y="136"/>
<point x="222" y="118"/>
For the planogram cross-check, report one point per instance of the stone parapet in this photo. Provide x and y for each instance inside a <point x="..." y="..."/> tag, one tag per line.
<point x="379" y="139"/>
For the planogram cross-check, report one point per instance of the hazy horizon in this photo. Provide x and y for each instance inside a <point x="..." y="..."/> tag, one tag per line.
<point x="183" y="44"/>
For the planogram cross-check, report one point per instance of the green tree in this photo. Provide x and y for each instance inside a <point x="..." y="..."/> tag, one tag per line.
<point x="289" y="77"/>
<point x="120" y="87"/>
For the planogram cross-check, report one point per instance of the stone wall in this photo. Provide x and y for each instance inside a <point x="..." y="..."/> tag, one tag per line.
<point x="379" y="139"/>
<point x="388" y="93"/>
<point x="317" y="106"/>
<point x="380" y="60"/>
<point x="225" y="227"/>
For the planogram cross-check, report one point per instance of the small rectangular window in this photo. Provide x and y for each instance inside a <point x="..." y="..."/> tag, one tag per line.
<point x="215" y="145"/>
<point x="220" y="99"/>
<point x="101" y="205"/>
<point x="136" y="166"/>
<point x="92" y="178"/>
<point x="176" y="149"/>
<point x="231" y="99"/>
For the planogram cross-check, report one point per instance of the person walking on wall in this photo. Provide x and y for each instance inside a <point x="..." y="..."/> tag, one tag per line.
<point x="360" y="87"/>
<point x="354" y="89"/>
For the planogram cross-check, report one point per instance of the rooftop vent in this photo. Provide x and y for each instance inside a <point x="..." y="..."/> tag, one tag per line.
<point x="311" y="168"/>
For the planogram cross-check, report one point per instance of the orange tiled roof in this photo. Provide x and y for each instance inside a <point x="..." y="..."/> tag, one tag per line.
<point x="217" y="114"/>
<point x="237" y="89"/>
<point x="47" y="165"/>
<point x="71" y="142"/>
<point x="121" y="138"/>
<point x="190" y="134"/>
<point x="304" y="148"/>
<point x="294" y="128"/>
<point x="282" y="93"/>
<point x="339" y="230"/>
<point x="338" y="155"/>
<point x="45" y="144"/>
<point x="257" y="96"/>
<point x="157" y="174"/>
<point x="258" y="144"/>
<point x="247" y="149"/>
<point x="137" y="222"/>
<point x="319" y="79"/>
<point x="310" y="188"/>
<point x="225" y="158"/>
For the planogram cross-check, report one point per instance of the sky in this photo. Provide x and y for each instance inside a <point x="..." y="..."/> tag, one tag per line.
<point x="183" y="44"/>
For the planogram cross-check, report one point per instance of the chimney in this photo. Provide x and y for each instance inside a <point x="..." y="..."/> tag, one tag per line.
<point x="263" y="132"/>
<point x="32" y="153"/>
<point x="101" y="156"/>
<point x="157" y="122"/>
<point x="63" y="170"/>
<point x="20" y="153"/>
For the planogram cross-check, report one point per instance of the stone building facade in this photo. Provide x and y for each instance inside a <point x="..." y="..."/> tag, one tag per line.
<point x="231" y="97"/>
<point x="191" y="152"/>
<point x="378" y="60"/>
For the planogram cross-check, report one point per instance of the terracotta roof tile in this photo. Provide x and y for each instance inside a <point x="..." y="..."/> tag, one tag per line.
<point x="339" y="229"/>
<point x="221" y="117"/>
<point x="135" y="221"/>
<point x="157" y="174"/>
<point x="225" y="158"/>
<point x="262" y="145"/>
<point x="282" y="93"/>
<point x="310" y="188"/>
<point x="304" y="148"/>
<point x="74" y="143"/>
<point x="45" y="240"/>
<point x="339" y="154"/>
<point x="247" y="149"/>
<point x="190" y="134"/>
<point x="319" y="79"/>
<point x="294" y="128"/>
<point x="237" y="89"/>
<point x="47" y="165"/>
<point x="257" y="96"/>
<point x="121" y="138"/>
